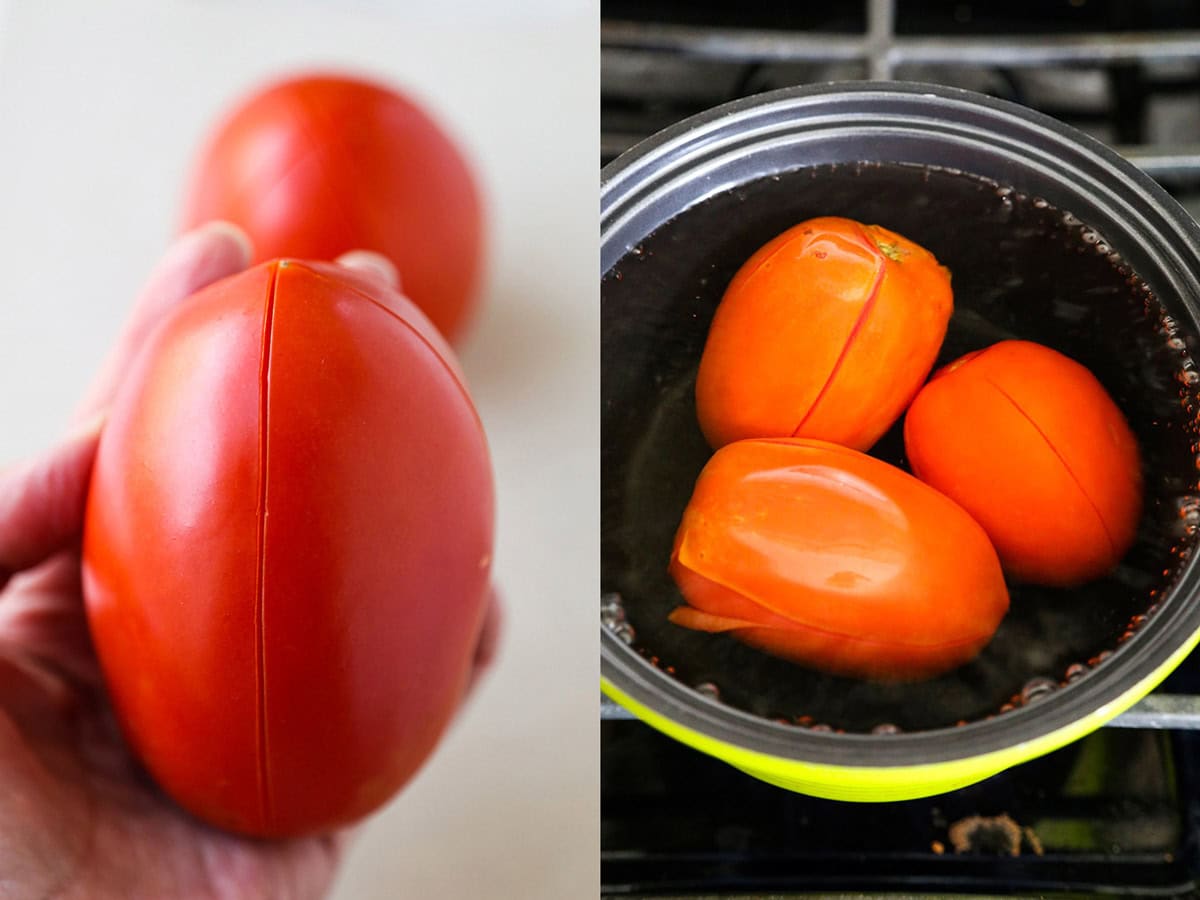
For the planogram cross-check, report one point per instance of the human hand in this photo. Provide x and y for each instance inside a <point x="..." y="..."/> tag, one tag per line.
<point x="79" y="817"/>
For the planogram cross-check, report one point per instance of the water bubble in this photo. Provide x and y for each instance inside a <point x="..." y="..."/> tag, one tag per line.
<point x="1189" y="509"/>
<point x="1176" y="343"/>
<point x="709" y="690"/>
<point x="1037" y="689"/>
<point x="1074" y="672"/>
<point x="886" y="728"/>
<point x="1039" y="203"/>
<point x="612" y="610"/>
<point x="823" y="728"/>
<point x="624" y="632"/>
<point x="1103" y="248"/>
<point x="1090" y="237"/>
<point x="1188" y="376"/>
<point x="1070" y="221"/>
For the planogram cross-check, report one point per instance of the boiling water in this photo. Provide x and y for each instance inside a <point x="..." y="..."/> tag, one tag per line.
<point x="1021" y="269"/>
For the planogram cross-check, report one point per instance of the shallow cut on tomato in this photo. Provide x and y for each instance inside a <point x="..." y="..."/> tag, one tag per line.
<point x="287" y="548"/>
<point x="316" y="166"/>
<point x="1029" y="442"/>
<point x="826" y="332"/>
<point x="836" y="560"/>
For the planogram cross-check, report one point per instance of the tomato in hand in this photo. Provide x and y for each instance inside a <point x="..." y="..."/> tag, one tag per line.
<point x="836" y="560"/>
<point x="287" y="548"/>
<point x="826" y="332"/>
<point x="1031" y="445"/>
<point x="314" y="167"/>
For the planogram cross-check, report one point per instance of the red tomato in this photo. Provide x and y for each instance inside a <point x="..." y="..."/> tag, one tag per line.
<point x="826" y="332"/>
<point x="316" y="166"/>
<point x="835" y="560"/>
<point x="287" y="546"/>
<point x="1031" y="445"/>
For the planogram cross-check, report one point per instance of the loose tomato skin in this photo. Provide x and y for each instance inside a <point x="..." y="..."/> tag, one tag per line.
<point x="287" y="548"/>
<point x="1031" y="445"/>
<point x="835" y="560"/>
<point x="316" y="166"/>
<point x="826" y="332"/>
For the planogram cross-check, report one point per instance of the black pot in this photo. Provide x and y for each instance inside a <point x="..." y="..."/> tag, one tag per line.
<point x="1051" y="237"/>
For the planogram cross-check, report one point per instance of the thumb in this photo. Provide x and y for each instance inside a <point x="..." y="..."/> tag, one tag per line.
<point x="42" y="501"/>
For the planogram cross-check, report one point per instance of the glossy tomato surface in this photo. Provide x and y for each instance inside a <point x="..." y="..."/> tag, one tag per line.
<point x="826" y="332"/>
<point x="316" y="166"/>
<point x="1029" y="442"/>
<point x="835" y="560"/>
<point x="287" y="548"/>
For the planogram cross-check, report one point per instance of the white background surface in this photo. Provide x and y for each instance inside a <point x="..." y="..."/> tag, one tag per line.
<point x="101" y="108"/>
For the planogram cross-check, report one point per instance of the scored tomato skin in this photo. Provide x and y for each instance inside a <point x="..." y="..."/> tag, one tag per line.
<point x="835" y="560"/>
<point x="287" y="548"/>
<point x="826" y="332"/>
<point x="317" y="166"/>
<point x="1028" y="441"/>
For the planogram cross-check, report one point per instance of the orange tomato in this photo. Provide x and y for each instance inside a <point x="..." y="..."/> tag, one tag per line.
<point x="313" y="167"/>
<point x="1031" y="445"/>
<point x="286" y="548"/>
<point x="835" y="560"/>
<point x="826" y="332"/>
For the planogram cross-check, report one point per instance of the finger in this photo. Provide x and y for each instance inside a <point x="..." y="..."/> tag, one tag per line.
<point x="195" y="260"/>
<point x="488" y="641"/>
<point x="372" y="265"/>
<point x="42" y="501"/>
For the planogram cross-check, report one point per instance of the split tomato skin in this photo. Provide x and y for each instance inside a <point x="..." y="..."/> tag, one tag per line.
<point x="287" y="548"/>
<point x="1031" y="445"/>
<point x="826" y="332"/>
<point x="835" y="560"/>
<point x="317" y="166"/>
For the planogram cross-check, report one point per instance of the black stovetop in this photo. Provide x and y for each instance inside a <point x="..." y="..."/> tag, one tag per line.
<point x="1115" y="813"/>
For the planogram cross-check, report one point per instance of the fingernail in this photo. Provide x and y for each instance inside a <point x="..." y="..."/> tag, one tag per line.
<point x="222" y="228"/>
<point x="368" y="261"/>
<point x="89" y="426"/>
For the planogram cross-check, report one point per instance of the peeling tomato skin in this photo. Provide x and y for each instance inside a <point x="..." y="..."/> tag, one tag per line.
<point x="826" y="332"/>
<point x="1031" y="445"/>
<point x="287" y="548"/>
<point x="835" y="560"/>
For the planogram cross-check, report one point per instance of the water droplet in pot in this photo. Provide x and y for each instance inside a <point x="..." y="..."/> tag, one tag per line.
<point x="1037" y="689"/>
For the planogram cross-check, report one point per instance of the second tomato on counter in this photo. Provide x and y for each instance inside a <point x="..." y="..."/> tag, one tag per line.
<point x="826" y="332"/>
<point x="836" y="560"/>
<point x="1031" y="445"/>
<point x="318" y="165"/>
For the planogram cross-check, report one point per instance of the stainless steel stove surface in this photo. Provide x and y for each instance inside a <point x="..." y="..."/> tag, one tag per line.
<point x="1115" y="813"/>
